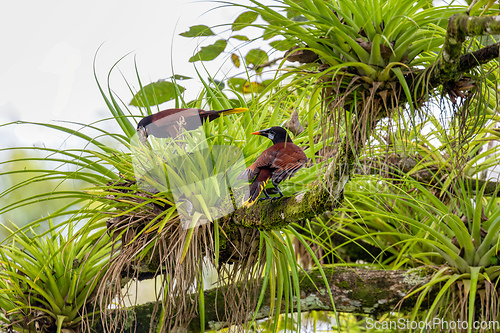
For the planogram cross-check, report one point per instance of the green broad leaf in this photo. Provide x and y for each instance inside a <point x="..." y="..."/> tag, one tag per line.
<point x="236" y="60"/>
<point x="256" y="57"/>
<point x="291" y="12"/>
<point x="300" y="18"/>
<point x="218" y="84"/>
<point x="244" y="20"/>
<point x="198" y="31"/>
<point x="282" y="45"/>
<point x="271" y="19"/>
<point x="244" y="86"/>
<point x="240" y="37"/>
<point x="156" y="93"/>
<point x="210" y="52"/>
<point x="255" y="87"/>
<point x="181" y="77"/>
<point x="236" y="83"/>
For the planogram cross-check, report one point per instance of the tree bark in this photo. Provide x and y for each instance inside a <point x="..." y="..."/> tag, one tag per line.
<point x="471" y="60"/>
<point x="354" y="290"/>
<point x="461" y="26"/>
<point x="274" y="214"/>
<point x="404" y="165"/>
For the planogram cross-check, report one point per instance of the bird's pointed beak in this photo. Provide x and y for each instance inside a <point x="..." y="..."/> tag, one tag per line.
<point x="263" y="132"/>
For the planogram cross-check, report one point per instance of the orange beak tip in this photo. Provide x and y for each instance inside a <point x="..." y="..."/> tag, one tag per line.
<point x="256" y="133"/>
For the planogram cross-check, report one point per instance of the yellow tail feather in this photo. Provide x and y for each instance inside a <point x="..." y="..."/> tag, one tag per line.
<point x="249" y="202"/>
<point x="232" y="111"/>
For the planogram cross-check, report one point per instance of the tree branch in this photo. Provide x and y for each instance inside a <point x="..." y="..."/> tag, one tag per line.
<point x="274" y="214"/>
<point x="470" y="60"/>
<point x="460" y="26"/>
<point x="403" y="166"/>
<point x="354" y="290"/>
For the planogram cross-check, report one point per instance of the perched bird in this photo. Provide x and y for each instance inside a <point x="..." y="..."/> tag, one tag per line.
<point x="167" y="123"/>
<point x="278" y="162"/>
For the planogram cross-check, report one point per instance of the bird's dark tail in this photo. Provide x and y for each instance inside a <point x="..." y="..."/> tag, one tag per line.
<point x="255" y="190"/>
<point x="231" y="111"/>
<point x="257" y="186"/>
<point x="212" y="115"/>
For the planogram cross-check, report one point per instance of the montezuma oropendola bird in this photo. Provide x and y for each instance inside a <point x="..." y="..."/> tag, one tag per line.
<point x="167" y="123"/>
<point x="278" y="162"/>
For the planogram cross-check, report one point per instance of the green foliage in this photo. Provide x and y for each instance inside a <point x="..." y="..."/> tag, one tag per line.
<point x="450" y="223"/>
<point x="256" y="57"/>
<point x="47" y="280"/>
<point x="231" y="130"/>
<point x="157" y="93"/>
<point x="198" y="31"/>
<point x="210" y="52"/>
<point x="30" y="169"/>
<point x="244" y="20"/>
<point x="364" y="49"/>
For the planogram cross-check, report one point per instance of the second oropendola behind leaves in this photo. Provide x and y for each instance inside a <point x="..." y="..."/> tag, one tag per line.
<point x="278" y="162"/>
<point x="167" y="123"/>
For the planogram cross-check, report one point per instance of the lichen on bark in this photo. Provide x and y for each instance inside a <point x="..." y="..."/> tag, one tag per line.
<point x="354" y="290"/>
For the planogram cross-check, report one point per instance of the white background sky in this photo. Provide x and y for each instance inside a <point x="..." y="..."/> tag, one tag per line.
<point x="48" y="49"/>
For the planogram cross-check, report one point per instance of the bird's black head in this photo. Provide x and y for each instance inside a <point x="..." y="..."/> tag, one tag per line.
<point x="145" y="122"/>
<point x="276" y="134"/>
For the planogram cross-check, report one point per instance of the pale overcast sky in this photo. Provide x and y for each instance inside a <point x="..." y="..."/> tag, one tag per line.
<point x="48" y="49"/>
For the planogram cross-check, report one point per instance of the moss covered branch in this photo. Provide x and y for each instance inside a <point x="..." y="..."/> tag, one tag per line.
<point x="471" y="60"/>
<point x="398" y="166"/>
<point x="355" y="290"/>
<point x="460" y="26"/>
<point x="274" y="214"/>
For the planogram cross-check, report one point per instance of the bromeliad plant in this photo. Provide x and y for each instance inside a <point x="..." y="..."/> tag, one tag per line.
<point x="367" y="59"/>
<point x="367" y="55"/>
<point x="145" y="203"/>
<point x="465" y="233"/>
<point x="455" y="235"/>
<point x="48" y="281"/>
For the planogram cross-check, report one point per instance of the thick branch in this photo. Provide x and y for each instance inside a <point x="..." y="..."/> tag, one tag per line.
<point x="460" y="26"/>
<point x="470" y="60"/>
<point x="274" y="214"/>
<point x="404" y="165"/>
<point x="355" y="290"/>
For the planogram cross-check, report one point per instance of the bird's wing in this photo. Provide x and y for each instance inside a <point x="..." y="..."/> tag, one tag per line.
<point x="287" y="163"/>
<point x="265" y="160"/>
<point x="247" y="174"/>
<point x="167" y="123"/>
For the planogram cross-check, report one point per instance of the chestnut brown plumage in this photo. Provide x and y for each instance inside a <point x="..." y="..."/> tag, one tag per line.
<point x="167" y="123"/>
<point x="278" y="163"/>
